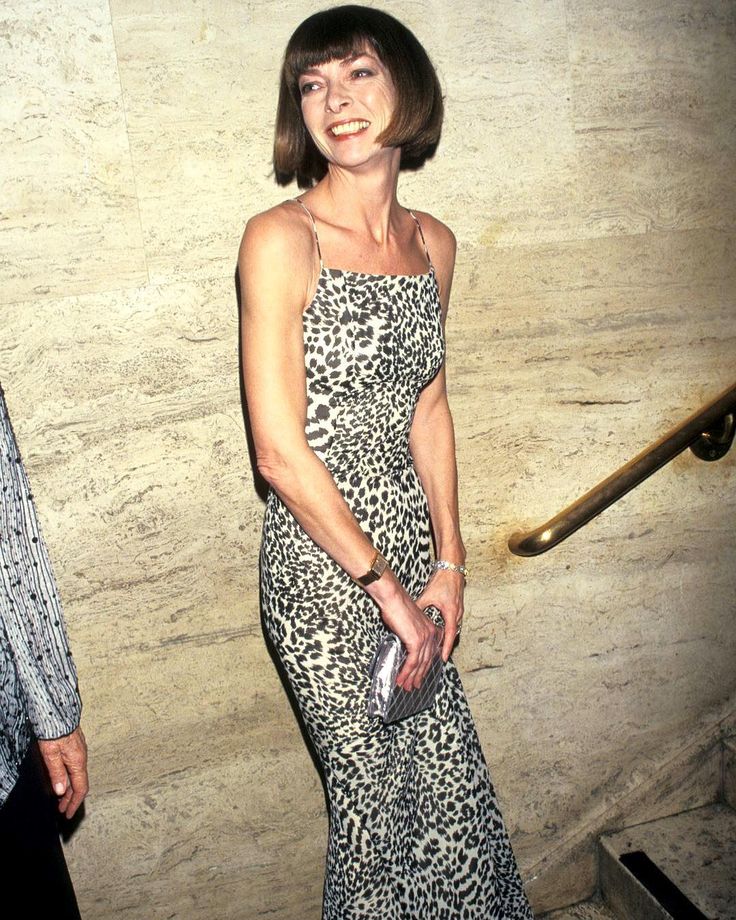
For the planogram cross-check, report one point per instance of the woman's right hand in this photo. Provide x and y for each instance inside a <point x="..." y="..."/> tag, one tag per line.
<point x="420" y="637"/>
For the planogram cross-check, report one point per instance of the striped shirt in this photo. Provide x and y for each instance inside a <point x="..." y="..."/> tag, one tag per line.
<point x="38" y="680"/>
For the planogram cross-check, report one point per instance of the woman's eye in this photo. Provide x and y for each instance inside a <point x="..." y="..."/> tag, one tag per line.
<point x="362" y="72"/>
<point x="307" y="88"/>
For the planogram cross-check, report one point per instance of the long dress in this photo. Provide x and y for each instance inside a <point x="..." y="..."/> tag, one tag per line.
<point x="415" y="832"/>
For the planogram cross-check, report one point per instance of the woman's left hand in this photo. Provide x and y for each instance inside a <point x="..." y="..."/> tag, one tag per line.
<point x="445" y="591"/>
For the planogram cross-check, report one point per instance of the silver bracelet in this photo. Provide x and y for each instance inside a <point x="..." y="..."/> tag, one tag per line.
<point x="444" y="564"/>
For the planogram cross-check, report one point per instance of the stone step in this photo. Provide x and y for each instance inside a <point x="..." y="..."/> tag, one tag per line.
<point x="594" y="909"/>
<point x="696" y="851"/>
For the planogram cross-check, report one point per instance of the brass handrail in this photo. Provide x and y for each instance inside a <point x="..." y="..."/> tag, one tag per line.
<point x="708" y="432"/>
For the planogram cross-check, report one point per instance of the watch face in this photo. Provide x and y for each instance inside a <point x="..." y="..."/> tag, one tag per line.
<point x="379" y="566"/>
<point x="374" y="573"/>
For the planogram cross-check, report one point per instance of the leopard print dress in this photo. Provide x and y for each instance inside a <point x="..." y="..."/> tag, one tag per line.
<point x="415" y="832"/>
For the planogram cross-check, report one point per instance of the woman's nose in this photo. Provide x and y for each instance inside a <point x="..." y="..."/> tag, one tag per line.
<point x="337" y="98"/>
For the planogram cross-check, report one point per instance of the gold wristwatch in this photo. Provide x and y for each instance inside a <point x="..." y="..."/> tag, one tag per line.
<point x="378" y="567"/>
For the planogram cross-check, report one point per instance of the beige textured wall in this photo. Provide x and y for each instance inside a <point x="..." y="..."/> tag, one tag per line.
<point x="586" y="168"/>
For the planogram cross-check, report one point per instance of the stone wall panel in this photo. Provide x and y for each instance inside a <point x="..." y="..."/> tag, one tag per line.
<point x="584" y="169"/>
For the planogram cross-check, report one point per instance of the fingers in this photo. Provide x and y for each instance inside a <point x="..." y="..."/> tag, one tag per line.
<point x="419" y="636"/>
<point x="66" y="761"/>
<point x="451" y="633"/>
<point x="76" y="762"/>
<point x="407" y="674"/>
<point x="419" y="660"/>
<point x="55" y="766"/>
<point x="412" y="671"/>
<point x="446" y="595"/>
<point x="64" y="801"/>
<point x="75" y="794"/>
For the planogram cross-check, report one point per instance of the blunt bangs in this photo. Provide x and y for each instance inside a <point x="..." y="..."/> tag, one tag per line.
<point x="337" y="34"/>
<point x="316" y="49"/>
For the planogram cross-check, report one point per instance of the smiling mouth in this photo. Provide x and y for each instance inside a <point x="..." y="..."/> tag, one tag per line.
<point x="348" y="127"/>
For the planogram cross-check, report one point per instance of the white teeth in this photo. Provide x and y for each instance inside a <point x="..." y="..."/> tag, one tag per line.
<point x="349" y="127"/>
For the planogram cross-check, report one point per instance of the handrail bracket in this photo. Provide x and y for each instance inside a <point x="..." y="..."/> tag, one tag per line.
<point x="716" y="441"/>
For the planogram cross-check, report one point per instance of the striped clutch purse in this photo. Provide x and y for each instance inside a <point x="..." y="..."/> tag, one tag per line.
<point x="387" y="700"/>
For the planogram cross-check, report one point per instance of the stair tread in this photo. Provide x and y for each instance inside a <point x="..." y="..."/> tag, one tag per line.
<point x="695" y="849"/>
<point x="585" y="910"/>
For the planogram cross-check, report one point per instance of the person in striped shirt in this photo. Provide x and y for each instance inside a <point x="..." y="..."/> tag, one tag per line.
<point x="43" y="753"/>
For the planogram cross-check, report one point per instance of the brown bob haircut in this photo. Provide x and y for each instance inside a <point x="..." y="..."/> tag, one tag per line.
<point x="336" y="34"/>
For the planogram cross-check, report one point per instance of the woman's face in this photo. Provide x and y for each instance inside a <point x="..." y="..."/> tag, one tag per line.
<point x="346" y="106"/>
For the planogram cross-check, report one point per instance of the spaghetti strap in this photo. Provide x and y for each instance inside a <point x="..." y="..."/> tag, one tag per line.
<point x="314" y="228"/>
<point x="421" y="234"/>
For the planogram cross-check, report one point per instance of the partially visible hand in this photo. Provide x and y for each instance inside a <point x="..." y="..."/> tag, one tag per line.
<point x="419" y="636"/>
<point x="66" y="762"/>
<point x="445" y="591"/>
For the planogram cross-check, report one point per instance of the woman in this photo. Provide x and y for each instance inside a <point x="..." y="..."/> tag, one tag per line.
<point x="345" y="295"/>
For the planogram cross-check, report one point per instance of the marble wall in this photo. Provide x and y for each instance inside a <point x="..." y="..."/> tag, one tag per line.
<point x="586" y="167"/>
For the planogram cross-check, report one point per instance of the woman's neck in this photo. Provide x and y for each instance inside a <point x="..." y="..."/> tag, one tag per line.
<point x="364" y="200"/>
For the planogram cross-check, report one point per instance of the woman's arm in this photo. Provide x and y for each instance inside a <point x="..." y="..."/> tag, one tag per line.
<point x="277" y="276"/>
<point x="432" y="442"/>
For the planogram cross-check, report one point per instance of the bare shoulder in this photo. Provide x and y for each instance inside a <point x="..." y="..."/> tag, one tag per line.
<point x="440" y="239"/>
<point x="277" y="263"/>
<point x="280" y="237"/>
<point x="442" y="246"/>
